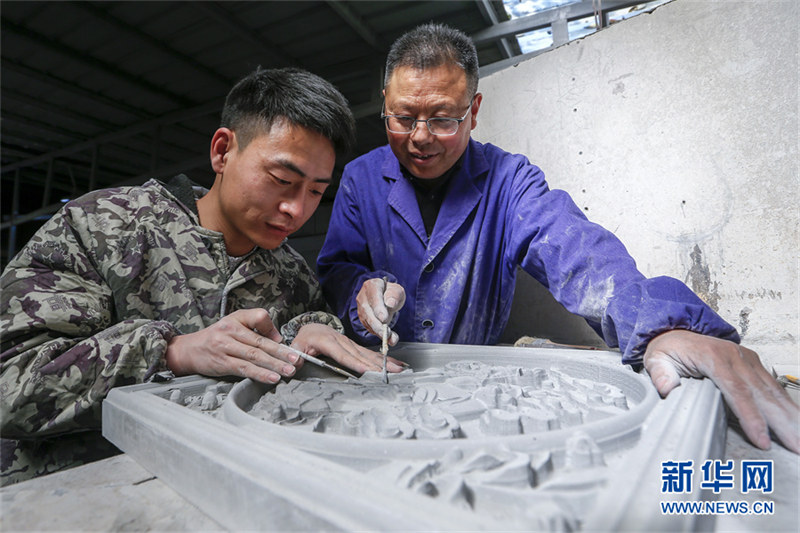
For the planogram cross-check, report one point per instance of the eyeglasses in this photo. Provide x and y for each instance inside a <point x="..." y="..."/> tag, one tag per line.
<point x="442" y="126"/>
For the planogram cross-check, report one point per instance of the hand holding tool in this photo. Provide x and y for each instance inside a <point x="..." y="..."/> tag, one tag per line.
<point x="323" y="364"/>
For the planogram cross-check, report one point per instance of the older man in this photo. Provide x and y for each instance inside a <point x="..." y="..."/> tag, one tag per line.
<point x="436" y="223"/>
<point x="126" y="284"/>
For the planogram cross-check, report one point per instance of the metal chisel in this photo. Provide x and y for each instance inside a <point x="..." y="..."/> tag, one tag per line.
<point x="384" y="351"/>
<point x="385" y="338"/>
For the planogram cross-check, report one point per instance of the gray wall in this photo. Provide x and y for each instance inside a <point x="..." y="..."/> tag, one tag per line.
<point x="678" y="131"/>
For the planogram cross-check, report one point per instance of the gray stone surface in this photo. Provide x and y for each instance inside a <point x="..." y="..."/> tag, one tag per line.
<point x="463" y="401"/>
<point x="544" y="480"/>
<point x="120" y="494"/>
<point x="103" y="496"/>
<point x="115" y="494"/>
<point x="457" y="401"/>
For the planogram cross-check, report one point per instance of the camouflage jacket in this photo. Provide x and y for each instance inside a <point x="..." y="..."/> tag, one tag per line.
<point x="92" y="300"/>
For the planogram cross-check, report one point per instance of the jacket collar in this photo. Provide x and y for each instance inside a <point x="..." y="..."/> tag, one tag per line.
<point x="474" y="165"/>
<point x="464" y="191"/>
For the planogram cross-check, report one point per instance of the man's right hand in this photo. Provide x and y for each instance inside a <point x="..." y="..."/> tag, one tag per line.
<point x="378" y="301"/>
<point x="244" y="343"/>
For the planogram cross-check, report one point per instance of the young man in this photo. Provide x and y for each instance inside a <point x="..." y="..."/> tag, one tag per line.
<point x="444" y="221"/>
<point x="124" y="284"/>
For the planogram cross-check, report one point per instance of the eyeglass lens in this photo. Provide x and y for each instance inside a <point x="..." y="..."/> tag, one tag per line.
<point x="437" y="126"/>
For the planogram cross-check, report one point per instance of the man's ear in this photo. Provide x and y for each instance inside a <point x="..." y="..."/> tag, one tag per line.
<point x="476" y="105"/>
<point x="223" y="142"/>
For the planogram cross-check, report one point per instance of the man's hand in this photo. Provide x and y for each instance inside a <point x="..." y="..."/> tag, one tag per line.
<point x="754" y="396"/>
<point x="315" y="339"/>
<point x="244" y="343"/>
<point x="378" y="301"/>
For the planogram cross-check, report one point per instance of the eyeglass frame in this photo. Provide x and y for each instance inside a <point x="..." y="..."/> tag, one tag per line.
<point x="384" y="116"/>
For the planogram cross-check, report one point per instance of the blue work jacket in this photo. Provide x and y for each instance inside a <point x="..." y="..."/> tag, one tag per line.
<point x="498" y="213"/>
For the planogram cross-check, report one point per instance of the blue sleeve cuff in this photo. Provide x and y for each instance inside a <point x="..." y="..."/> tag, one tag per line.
<point x="653" y="306"/>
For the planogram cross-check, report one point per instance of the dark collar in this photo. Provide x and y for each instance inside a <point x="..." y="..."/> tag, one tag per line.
<point x="182" y="188"/>
<point x="432" y="184"/>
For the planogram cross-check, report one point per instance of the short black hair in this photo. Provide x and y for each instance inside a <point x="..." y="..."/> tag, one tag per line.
<point x="297" y="96"/>
<point x="432" y="45"/>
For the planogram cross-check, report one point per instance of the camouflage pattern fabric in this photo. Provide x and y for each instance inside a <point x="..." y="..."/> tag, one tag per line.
<point x="93" y="298"/>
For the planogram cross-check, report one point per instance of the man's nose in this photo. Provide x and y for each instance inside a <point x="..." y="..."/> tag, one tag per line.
<point x="292" y="206"/>
<point x="421" y="134"/>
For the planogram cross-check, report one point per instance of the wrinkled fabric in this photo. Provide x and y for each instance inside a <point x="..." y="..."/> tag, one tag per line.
<point x="93" y="298"/>
<point x="498" y="213"/>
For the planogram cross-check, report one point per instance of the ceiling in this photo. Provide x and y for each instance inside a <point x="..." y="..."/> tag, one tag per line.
<point x="95" y="94"/>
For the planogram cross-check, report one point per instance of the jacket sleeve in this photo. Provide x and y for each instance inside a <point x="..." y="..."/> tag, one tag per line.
<point x="62" y="345"/>
<point x="589" y="271"/>
<point x="344" y="262"/>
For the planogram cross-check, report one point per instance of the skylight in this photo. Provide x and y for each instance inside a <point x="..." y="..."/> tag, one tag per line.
<point x="542" y="38"/>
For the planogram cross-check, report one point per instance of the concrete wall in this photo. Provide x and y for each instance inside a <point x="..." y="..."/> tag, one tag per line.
<point x="678" y="131"/>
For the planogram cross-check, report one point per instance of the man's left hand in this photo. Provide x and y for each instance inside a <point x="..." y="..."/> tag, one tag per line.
<point x="754" y="396"/>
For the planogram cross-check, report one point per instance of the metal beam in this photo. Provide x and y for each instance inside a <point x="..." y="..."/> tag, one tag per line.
<point x="51" y="80"/>
<point x="48" y="183"/>
<point x="96" y="98"/>
<point x="241" y="30"/>
<point x="546" y="18"/>
<point x="93" y="168"/>
<point x="106" y="17"/>
<point x="81" y="57"/>
<point x="177" y="116"/>
<point x="356" y="24"/>
<point x="12" y="237"/>
<point x="167" y="170"/>
<point x="52" y="110"/>
<point x="485" y="7"/>
<point x="28" y="217"/>
<point x="47" y="130"/>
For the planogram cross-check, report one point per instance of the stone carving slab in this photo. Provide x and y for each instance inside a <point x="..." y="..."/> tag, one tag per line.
<point x="471" y="438"/>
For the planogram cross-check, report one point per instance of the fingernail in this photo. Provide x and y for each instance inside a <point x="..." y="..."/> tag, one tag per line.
<point x="288" y="370"/>
<point x="391" y="302"/>
<point x="273" y="378"/>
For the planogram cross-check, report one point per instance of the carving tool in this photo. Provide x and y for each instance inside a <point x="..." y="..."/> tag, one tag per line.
<point x="385" y="338"/>
<point x="788" y="380"/>
<point x="384" y="351"/>
<point x="320" y="362"/>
